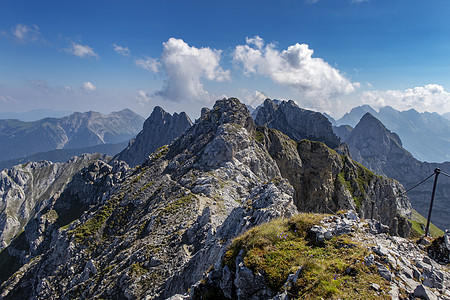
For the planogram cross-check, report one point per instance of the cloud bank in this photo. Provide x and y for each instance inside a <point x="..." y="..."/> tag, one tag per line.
<point x="294" y="67"/>
<point x="431" y="97"/>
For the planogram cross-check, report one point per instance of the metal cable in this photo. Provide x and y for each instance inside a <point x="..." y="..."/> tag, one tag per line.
<point x="445" y="174"/>
<point x="401" y="194"/>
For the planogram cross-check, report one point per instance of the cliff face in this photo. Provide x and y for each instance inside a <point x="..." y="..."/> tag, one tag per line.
<point x="152" y="231"/>
<point x="295" y="122"/>
<point x="158" y="130"/>
<point x="380" y="150"/>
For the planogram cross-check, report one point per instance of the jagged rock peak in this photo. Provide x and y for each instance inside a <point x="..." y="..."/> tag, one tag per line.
<point x="161" y="128"/>
<point x="225" y="111"/>
<point x="296" y="122"/>
<point x="369" y="122"/>
<point x="371" y="143"/>
<point x="231" y="110"/>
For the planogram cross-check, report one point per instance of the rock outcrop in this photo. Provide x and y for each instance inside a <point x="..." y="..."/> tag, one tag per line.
<point x="295" y="122"/>
<point x="159" y="129"/>
<point x="152" y="231"/>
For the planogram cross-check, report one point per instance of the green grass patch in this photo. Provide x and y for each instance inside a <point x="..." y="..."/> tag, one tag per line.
<point x="175" y="205"/>
<point x="418" y="226"/>
<point x="160" y="152"/>
<point x="92" y="226"/>
<point x="137" y="269"/>
<point x="333" y="269"/>
<point x="258" y="136"/>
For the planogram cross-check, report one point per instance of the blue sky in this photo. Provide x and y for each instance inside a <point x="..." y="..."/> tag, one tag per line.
<point x="327" y="55"/>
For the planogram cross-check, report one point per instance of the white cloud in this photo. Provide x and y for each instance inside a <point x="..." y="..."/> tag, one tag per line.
<point x="122" y="50"/>
<point x="294" y="67"/>
<point x="68" y="89"/>
<point x="89" y="87"/>
<point x="81" y="50"/>
<point x="431" y="97"/>
<point x="253" y="99"/>
<point x="148" y="63"/>
<point x="24" y="33"/>
<point x="184" y="67"/>
<point x="143" y="97"/>
<point x="256" y="40"/>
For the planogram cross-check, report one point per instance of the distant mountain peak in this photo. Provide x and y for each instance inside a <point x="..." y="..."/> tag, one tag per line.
<point x="159" y="129"/>
<point x="296" y="122"/>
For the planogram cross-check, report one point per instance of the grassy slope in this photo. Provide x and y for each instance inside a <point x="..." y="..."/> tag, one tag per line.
<point x="419" y="223"/>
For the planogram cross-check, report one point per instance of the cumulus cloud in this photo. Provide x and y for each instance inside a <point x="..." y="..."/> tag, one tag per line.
<point x="122" y="50"/>
<point x="185" y="67"/>
<point x="148" y="63"/>
<point x="143" y="97"/>
<point x="89" y="87"/>
<point x="81" y="50"/>
<point x="24" y="33"/>
<point x="431" y="97"/>
<point x="294" y="67"/>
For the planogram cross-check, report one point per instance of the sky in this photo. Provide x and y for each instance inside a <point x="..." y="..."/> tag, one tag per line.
<point x="326" y="55"/>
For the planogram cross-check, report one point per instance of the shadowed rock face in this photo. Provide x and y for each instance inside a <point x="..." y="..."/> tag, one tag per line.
<point x="154" y="230"/>
<point x="381" y="150"/>
<point x="159" y="129"/>
<point x="297" y="123"/>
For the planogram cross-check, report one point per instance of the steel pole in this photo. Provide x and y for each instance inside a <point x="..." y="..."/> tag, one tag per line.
<point x="437" y="171"/>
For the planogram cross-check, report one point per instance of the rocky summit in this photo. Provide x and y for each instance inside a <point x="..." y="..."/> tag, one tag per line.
<point x="171" y="226"/>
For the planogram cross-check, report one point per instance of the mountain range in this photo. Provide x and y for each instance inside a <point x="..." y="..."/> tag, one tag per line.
<point x="425" y="135"/>
<point x="19" y="139"/>
<point x="225" y="209"/>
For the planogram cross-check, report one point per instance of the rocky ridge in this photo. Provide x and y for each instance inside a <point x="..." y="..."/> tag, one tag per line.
<point x="152" y="231"/>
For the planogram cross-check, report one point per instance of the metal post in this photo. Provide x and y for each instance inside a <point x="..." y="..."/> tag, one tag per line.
<point x="437" y="171"/>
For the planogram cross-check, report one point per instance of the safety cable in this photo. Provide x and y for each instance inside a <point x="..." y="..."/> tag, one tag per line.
<point x="445" y="174"/>
<point x="401" y="194"/>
